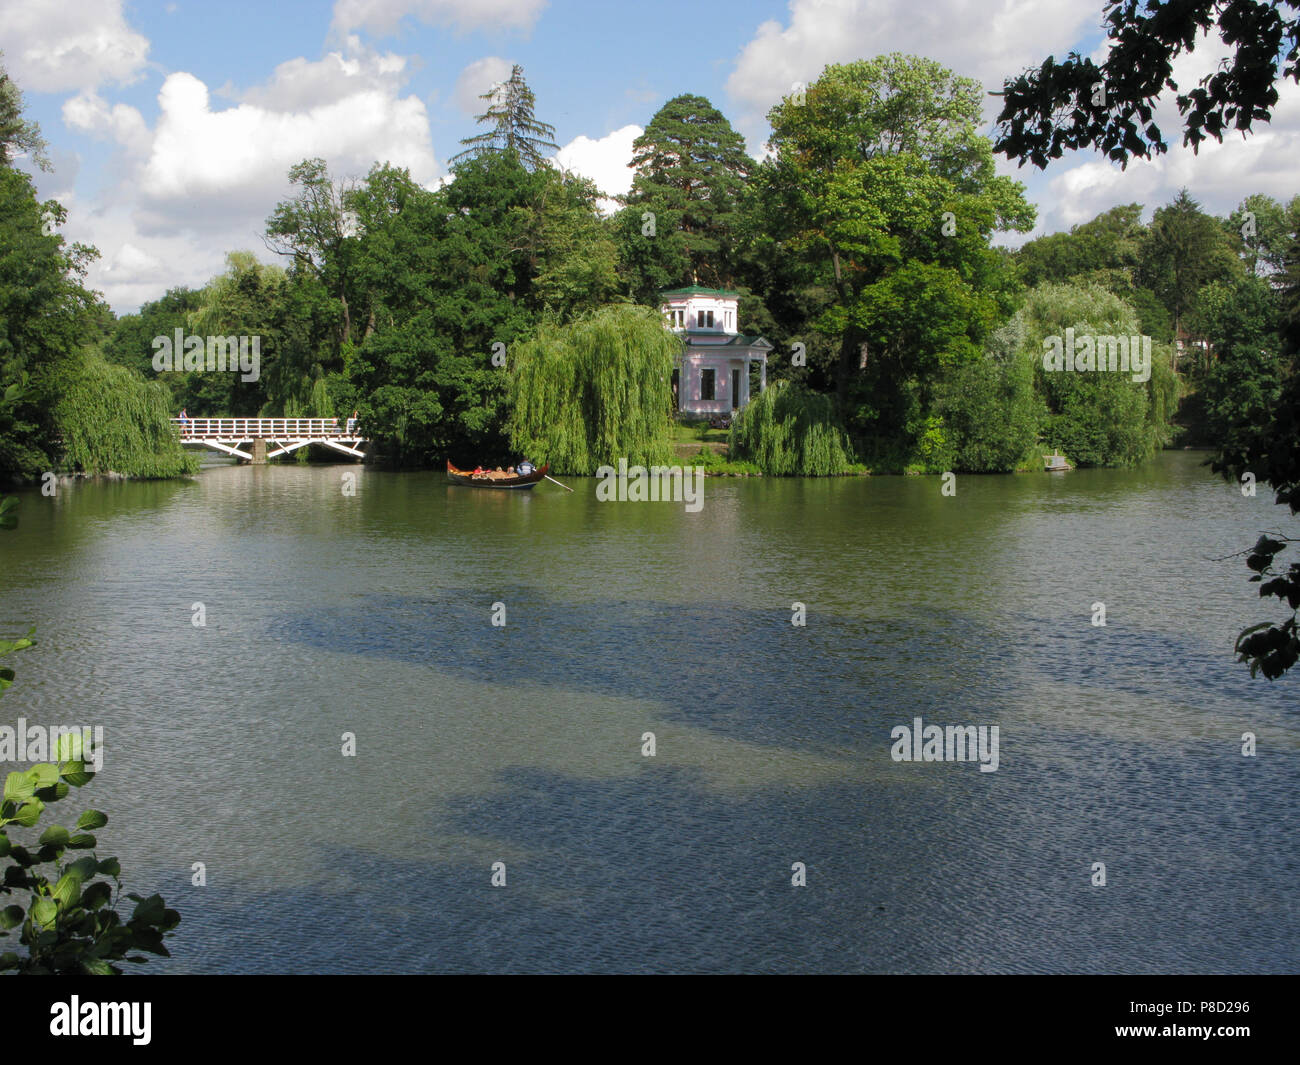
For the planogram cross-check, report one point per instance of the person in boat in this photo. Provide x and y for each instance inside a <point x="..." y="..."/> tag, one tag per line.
<point x="525" y="468"/>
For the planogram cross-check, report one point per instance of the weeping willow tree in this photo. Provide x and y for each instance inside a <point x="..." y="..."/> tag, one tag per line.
<point x="789" y="431"/>
<point x="586" y="394"/>
<point x="113" y="420"/>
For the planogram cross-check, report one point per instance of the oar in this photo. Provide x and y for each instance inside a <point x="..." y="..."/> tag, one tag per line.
<point x="554" y="481"/>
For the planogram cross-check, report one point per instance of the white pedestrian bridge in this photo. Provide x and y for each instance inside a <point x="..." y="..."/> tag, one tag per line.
<point x="268" y="438"/>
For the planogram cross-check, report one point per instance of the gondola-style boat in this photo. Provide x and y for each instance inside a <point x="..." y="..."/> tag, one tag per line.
<point x="517" y="481"/>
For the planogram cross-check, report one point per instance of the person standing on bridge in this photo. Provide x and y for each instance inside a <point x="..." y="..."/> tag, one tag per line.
<point x="184" y="421"/>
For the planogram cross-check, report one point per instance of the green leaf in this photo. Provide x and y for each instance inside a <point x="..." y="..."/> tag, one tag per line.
<point x="53" y="793"/>
<point x="84" y="868"/>
<point x="71" y="746"/>
<point x="96" y="967"/>
<point x="96" y="895"/>
<point x="44" y="774"/>
<point x="19" y="786"/>
<point x="92" y="819"/>
<point x="150" y="911"/>
<point x="8" y="960"/>
<point x="4" y="844"/>
<point x="44" y="912"/>
<point x="74" y="772"/>
<point x="111" y="867"/>
<point x="81" y="841"/>
<point x="67" y="891"/>
<point x="12" y="916"/>
<point x="55" y="834"/>
<point x="151" y="940"/>
<point x="30" y="813"/>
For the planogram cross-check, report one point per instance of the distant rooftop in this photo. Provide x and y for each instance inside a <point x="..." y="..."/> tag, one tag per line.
<point x="698" y="290"/>
<point x="735" y="339"/>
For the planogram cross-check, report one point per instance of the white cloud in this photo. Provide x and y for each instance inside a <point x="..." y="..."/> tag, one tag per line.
<point x="606" y="161"/>
<point x="477" y="78"/>
<point x="203" y="179"/>
<point x="384" y="17"/>
<point x="89" y="113"/>
<point x="70" y="45"/>
<point x="302" y="84"/>
<point x="205" y="155"/>
<point x="988" y="41"/>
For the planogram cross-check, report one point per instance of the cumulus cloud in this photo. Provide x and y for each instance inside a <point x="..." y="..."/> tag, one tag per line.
<point x="89" y="113"/>
<point x="202" y="179"/>
<point x="301" y="84"/>
<point x="70" y="45"/>
<point x="478" y="78"/>
<point x="384" y="17"/>
<point x="988" y="41"/>
<point x="607" y="161"/>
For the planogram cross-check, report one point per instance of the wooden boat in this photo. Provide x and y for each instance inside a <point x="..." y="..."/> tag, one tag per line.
<point x="517" y="481"/>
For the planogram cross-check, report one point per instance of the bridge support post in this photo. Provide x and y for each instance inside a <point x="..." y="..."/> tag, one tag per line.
<point x="259" y="452"/>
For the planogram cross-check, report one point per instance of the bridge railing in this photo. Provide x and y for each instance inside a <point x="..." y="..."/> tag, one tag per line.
<point x="264" y="428"/>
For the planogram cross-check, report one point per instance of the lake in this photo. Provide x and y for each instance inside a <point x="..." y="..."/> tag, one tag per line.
<point x="371" y="613"/>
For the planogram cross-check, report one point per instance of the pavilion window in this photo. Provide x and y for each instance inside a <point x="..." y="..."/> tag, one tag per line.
<point x="708" y="384"/>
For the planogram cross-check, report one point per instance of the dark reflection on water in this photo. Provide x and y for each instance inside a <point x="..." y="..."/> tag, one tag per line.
<point x="753" y="674"/>
<point x="660" y="872"/>
<point x="645" y="875"/>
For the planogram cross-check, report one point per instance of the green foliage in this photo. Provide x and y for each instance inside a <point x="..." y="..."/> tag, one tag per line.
<point x="597" y="390"/>
<point x="48" y="323"/>
<point x="70" y="923"/>
<point x="1269" y="647"/>
<point x="1244" y="373"/>
<point x="1099" y="418"/>
<point x="789" y="431"/>
<point x="1258" y="231"/>
<point x="885" y="187"/>
<point x="715" y="464"/>
<point x="991" y="408"/>
<point x="691" y="167"/>
<point x="114" y="421"/>
<point x="441" y="278"/>
<point x="22" y="642"/>
<point x="1268" y="449"/>
<point x="1111" y="241"/>
<point x="1184" y="249"/>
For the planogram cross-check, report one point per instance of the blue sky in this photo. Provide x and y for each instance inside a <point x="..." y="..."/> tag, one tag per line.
<point x="172" y="124"/>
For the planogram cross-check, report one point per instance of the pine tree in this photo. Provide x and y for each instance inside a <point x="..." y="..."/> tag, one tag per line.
<point x="690" y="169"/>
<point x="515" y="129"/>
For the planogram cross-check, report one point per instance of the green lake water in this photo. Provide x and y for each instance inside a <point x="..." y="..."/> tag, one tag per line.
<point x="371" y="614"/>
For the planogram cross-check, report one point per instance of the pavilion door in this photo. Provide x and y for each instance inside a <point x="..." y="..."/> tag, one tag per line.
<point x="735" y="389"/>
